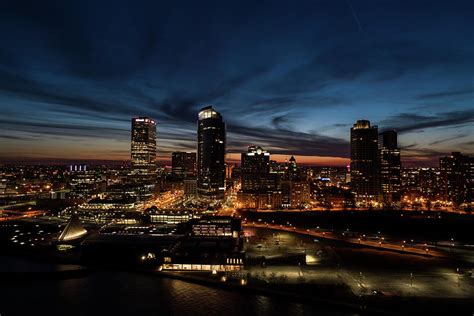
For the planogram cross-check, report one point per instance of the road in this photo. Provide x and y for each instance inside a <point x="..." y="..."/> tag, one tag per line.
<point x="9" y="206"/>
<point x="363" y="270"/>
<point x="9" y="215"/>
<point x="417" y="249"/>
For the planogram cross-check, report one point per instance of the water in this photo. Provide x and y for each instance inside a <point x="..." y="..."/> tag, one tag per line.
<point x="122" y="293"/>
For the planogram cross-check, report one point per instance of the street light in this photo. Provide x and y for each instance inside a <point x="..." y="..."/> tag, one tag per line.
<point x="459" y="277"/>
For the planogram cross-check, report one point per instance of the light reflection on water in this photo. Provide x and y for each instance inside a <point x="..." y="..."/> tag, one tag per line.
<point x="121" y="293"/>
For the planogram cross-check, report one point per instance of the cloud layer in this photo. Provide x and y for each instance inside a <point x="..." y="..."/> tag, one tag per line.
<point x="292" y="77"/>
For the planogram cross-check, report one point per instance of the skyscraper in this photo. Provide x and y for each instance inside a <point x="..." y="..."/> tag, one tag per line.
<point x="255" y="169"/>
<point x="211" y="153"/>
<point x="389" y="167"/>
<point x="364" y="162"/>
<point x="458" y="173"/>
<point x="183" y="164"/>
<point x="143" y="149"/>
<point x="260" y="187"/>
<point x="292" y="171"/>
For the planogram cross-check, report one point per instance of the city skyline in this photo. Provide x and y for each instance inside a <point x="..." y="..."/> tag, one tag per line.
<point x="232" y="158"/>
<point x="71" y="79"/>
<point x="237" y="157"/>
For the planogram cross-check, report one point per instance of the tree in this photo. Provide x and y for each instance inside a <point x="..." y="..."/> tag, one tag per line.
<point x="273" y="277"/>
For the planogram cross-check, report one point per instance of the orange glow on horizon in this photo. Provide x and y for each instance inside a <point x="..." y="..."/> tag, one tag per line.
<point x="303" y="160"/>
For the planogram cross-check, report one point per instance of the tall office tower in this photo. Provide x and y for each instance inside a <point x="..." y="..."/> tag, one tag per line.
<point x="229" y="170"/>
<point x="470" y="184"/>
<point x="211" y="154"/>
<point x="292" y="169"/>
<point x="299" y="193"/>
<point x="276" y="167"/>
<point x="183" y="165"/>
<point x="255" y="169"/>
<point x="364" y="162"/>
<point x="260" y="187"/>
<point x="143" y="151"/>
<point x="458" y="172"/>
<point x="390" y="166"/>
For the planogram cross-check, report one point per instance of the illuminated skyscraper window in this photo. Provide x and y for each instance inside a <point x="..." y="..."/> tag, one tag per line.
<point x="211" y="153"/>
<point x="365" y="162"/>
<point x="143" y="149"/>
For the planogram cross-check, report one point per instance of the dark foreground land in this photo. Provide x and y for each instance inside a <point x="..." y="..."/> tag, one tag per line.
<point x="342" y="279"/>
<point x="112" y="291"/>
<point x="421" y="225"/>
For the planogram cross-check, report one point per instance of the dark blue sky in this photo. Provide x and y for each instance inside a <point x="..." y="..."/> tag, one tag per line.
<point x="292" y="76"/>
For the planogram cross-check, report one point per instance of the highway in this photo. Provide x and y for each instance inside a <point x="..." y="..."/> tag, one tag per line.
<point x="362" y="271"/>
<point x="382" y="244"/>
<point x="9" y="215"/>
<point x="8" y="206"/>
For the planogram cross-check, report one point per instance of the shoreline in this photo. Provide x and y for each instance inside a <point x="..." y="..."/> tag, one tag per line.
<point x="368" y="305"/>
<point x="85" y="270"/>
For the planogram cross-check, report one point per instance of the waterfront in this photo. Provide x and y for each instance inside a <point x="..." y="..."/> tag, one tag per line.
<point x="34" y="282"/>
<point x="112" y="292"/>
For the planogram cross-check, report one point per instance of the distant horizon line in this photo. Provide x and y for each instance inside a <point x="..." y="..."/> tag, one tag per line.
<point x="343" y="162"/>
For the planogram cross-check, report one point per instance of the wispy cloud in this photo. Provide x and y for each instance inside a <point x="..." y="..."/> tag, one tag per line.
<point x="291" y="77"/>
<point x="409" y="122"/>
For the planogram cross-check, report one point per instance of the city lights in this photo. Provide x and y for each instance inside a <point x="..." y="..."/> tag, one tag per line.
<point x="237" y="158"/>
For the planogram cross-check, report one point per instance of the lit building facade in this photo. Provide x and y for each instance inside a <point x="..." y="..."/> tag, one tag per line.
<point x="216" y="226"/>
<point x="109" y="204"/>
<point x="255" y="169"/>
<point x="458" y="172"/>
<point x="390" y="167"/>
<point x="183" y="165"/>
<point x="86" y="183"/>
<point x="190" y="187"/>
<point x="215" y="244"/>
<point x="431" y="183"/>
<point x="211" y="154"/>
<point x="365" y="170"/>
<point x="74" y="168"/>
<point x="300" y="194"/>
<point x="229" y="169"/>
<point x="143" y="149"/>
<point x="260" y="187"/>
<point x="292" y="169"/>
<point x="170" y="217"/>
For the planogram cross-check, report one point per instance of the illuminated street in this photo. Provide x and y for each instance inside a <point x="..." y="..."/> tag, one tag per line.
<point x="231" y="158"/>
<point x="328" y="263"/>
<point x="412" y="248"/>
